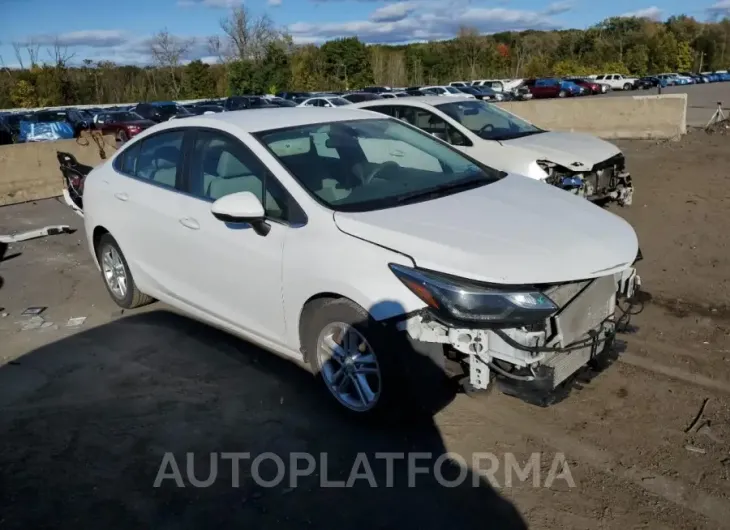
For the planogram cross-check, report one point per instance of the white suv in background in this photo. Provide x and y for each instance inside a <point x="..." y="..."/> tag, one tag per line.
<point x="616" y="81"/>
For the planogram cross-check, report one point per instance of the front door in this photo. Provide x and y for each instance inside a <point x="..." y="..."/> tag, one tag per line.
<point x="232" y="271"/>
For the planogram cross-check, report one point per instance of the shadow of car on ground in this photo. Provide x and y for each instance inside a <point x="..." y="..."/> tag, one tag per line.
<point x="87" y="422"/>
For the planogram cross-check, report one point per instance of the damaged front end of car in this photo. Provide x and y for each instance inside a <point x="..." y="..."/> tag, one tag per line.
<point x="606" y="181"/>
<point x="531" y="341"/>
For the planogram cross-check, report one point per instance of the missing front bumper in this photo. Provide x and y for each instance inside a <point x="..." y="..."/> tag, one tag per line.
<point x="540" y="361"/>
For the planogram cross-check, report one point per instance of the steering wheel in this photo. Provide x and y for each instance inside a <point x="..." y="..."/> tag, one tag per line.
<point x="487" y="128"/>
<point x="377" y="170"/>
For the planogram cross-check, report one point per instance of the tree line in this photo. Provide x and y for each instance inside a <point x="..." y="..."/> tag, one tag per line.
<point x="254" y="56"/>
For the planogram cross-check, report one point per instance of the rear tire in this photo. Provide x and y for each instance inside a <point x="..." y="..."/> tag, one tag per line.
<point x="117" y="276"/>
<point x="562" y="94"/>
<point x="627" y="86"/>
<point x="122" y="137"/>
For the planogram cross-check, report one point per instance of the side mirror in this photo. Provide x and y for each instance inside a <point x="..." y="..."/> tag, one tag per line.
<point x="241" y="207"/>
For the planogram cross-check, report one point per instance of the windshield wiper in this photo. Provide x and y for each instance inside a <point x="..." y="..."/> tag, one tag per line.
<point x="514" y="135"/>
<point x="446" y="189"/>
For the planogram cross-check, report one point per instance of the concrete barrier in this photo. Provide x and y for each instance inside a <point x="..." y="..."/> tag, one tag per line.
<point x="662" y="116"/>
<point x="30" y="171"/>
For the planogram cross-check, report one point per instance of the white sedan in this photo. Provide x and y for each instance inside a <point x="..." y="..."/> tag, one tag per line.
<point x="363" y="247"/>
<point x="448" y="91"/>
<point x="580" y="163"/>
<point x="325" y="101"/>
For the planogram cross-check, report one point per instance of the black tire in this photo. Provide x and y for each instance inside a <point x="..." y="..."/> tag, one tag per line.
<point x="133" y="297"/>
<point x="562" y="94"/>
<point x="628" y="86"/>
<point x="383" y="343"/>
<point x="122" y="137"/>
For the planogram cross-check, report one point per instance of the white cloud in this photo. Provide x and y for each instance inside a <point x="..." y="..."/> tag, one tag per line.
<point x="719" y="9"/>
<point x="393" y="12"/>
<point x="216" y="4"/>
<point x="118" y="46"/>
<point x="557" y="8"/>
<point x="653" y="13"/>
<point x="429" y="20"/>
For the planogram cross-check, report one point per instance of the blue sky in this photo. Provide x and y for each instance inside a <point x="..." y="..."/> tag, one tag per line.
<point x="119" y="31"/>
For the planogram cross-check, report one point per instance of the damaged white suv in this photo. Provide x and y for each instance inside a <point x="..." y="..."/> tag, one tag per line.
<point x="579" y="163"/>
<point x="362" y="246"/>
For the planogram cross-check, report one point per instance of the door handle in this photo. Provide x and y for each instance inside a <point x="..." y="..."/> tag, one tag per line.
<point x="190" y="223"/>
<point x="122" y="196"/>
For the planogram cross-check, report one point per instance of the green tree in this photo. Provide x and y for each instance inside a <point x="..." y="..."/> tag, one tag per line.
<point x="637" y="59"/>
<point x="347" y="62"/>
<point x="684" y="56"/>
<point x="241" y="77"/>
<point x="198" y="83"/>
<point x="24" y="95"/>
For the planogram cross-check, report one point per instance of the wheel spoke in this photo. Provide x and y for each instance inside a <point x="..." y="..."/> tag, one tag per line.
<point x="360" y="391"/>
<point x="364" y="370"/>
<point x="337" y="352"/>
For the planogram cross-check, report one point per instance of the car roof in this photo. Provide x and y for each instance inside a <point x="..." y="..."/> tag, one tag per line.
<point x="256" y="120"/>
<point x="416" y="101"/>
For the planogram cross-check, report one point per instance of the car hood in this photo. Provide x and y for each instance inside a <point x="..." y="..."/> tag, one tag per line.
<point x="567" y="149"/>
<point x="514" y="231"/>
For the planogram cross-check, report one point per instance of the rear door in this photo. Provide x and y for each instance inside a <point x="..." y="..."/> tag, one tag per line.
<point x="147" y="201"/>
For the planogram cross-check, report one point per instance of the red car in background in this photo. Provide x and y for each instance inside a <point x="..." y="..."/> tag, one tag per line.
<point x="592" y="86"/>
<point x="122" y="124"/>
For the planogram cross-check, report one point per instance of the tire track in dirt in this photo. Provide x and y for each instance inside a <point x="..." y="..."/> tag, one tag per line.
<point x="675" y="491"/>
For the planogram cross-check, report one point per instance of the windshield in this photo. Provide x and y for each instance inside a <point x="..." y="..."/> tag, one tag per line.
<point x="367" y="165"/>
<point x="488" y="121"/>
<point x="44" y="117"/>
<point x="170" y="110"/>
<point x="451" y="89"/>
<point x="126" y="116"/>
<point x="339" y="102"/>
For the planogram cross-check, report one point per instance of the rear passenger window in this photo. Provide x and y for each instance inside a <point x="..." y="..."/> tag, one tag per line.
<point x="129" y="159"/>
<point x="159" y="158"/>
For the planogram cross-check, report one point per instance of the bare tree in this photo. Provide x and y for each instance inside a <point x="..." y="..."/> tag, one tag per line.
<point x="217" y="48"/>
<point x="59" y="53"/>
<point x="248" y="36"/>
<point x="33" y="49"/>
<point x="168" y="51"/>
<point x="18" y="48"/>
<point x="471" y="46"/>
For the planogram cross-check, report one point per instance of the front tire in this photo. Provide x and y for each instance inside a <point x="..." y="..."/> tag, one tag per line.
<point x="627" y="86"/>
<point x="117" y="276"/>
<point x="562" y="94"/>
<point x="352" y="356"/>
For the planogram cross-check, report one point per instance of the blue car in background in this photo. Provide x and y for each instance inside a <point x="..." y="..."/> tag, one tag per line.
<point x="572" y="89"/>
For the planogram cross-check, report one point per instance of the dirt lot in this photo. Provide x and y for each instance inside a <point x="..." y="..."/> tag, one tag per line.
<point x="87" y="414"/>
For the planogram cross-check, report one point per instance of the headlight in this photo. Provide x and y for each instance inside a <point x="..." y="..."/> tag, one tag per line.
<point x="464" y="300"/>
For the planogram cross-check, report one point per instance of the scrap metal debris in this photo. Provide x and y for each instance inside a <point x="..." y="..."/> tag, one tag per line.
<point x="698" y="417"/>
<point x="32" y="323"/>
<point x="33" y="311"/>
<point x="35" y="234"/>
<point x="694" y="449"/>
<point x="75" y="322"/>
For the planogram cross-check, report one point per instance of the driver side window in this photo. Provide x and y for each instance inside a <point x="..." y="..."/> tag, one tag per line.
<point x="432" y="124"/>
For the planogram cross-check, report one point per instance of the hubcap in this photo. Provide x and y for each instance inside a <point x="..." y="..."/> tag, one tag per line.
<point x="349" y="366"/>
<point x="114" y="273"/>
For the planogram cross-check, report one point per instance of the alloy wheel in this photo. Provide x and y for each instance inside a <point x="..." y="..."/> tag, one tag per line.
<point x="349" y="367"/>
<point x="114" y="272"/>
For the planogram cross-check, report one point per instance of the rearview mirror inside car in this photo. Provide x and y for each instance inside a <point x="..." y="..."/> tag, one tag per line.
<point x="241" y="207"/>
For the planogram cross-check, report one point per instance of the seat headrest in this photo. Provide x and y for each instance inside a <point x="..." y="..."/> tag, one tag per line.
<point x="230" y="166"/>
<point x="167" y="157"/>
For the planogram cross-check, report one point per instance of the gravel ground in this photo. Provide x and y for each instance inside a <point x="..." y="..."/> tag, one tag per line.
<point x="87" y="414"/>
